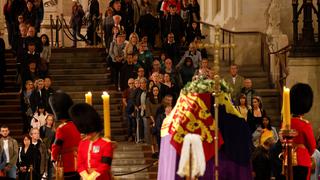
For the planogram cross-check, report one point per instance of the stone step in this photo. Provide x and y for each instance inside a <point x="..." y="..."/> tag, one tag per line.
<point x="15" y="107"/>
<point x="11" y="65"/>
<point x="13" y="119"/>
<point x="9" y="54"/>
<point x="81" y="76"/>
<point x="130" y="168"/>
<point x="138" y="176"/>
<point x="9" y="101"/>
<point x="80" y="59"/>
<point x="123" y="162"/>
<point x="9" y="113"/>
<point x="118" y="131"/>
<point x="84" y="89"/>
<point x="10" y="77"/>
<point x="77" y="52"/>
<point x="11" y="61"/>
<point x="112" y="93"/>
<point x="67" y="72"/>
<point x="132" y="154"/>
<point x="11" y="71"/>
<point x="268" y="92"/>
<point x="128" y="146"/>
<point x="76" y="66"/>
<point x="82" y="82"/>
<point x="11" y="89"/>
<point x="97" y="101"/>
<point x="9" y="95"/>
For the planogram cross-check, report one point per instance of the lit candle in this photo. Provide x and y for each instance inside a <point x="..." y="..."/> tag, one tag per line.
<point x="89" y="98"/>
<point x="286" y="109"/>
<point x="106" y="114"/>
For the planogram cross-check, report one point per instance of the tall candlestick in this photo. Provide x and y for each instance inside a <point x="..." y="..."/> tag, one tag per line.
<point x="106" y="114"/>
<point x="89" y="98"/>
<point x="286" y="109"/>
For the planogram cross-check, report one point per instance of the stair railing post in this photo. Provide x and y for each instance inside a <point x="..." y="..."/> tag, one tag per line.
<point x="94" y="30"/>
<point x="101" y="30"/>
<point x="57" y="32"/>
<point x="318" y="16"/>
<point x="62" y="30"/>
<point x="51" y="30"/>
<point x="295" y="21"/>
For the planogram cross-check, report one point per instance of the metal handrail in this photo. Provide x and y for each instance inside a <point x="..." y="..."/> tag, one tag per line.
<point x="282" y="50"/>
<point x="60" y="24"/>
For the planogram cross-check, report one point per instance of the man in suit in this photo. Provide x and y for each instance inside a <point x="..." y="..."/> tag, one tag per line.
<point x="236" y="83"/>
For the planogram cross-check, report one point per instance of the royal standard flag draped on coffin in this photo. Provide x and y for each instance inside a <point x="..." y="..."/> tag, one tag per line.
<point x="192" y="115"/>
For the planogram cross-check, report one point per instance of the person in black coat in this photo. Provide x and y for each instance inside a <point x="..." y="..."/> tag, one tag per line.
<point x="127" y="17"/>
<point x="147" y="26"/>
<point x="175" y="24"/>
<point x="39" y="10"/>
<point x="38" y="97"/>
<point x="2" y="63"/>
<point x="171" y="48"/>
<point x="33" y="38"/>
<point x="25" y="158"/>
<point x="9" y="16"/>
<point x="194" y="12"/>
<point x="30" y="14"/>
<point x="193" y="31"/>
<point x="76" y="22"/>
<point x="127" y="71"/>
<point x="91" y="26"/>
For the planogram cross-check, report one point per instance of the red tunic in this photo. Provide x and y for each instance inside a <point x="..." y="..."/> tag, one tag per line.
<point x="96" y="155"/>
<point x="304" y="142"/>
<point x="66" y="143"/>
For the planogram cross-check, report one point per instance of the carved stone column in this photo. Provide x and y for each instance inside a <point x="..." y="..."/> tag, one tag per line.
<point x="275" y="39"/>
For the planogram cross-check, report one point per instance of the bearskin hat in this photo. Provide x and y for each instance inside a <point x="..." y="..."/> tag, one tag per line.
<point x="86" y="118"/>
<point x="60" y="103"/>
<point x="301" y="98"/>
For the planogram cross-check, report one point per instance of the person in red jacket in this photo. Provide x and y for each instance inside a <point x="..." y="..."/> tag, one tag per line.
<point x="67" y="138"/>
<point x="301" y="99"/>
<point x="95" y="152"/>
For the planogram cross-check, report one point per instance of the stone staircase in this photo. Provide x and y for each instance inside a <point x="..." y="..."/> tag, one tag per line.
<point x="10" y="100"/>
<point x="261" y="83"/>
<point x="77" y="71"/>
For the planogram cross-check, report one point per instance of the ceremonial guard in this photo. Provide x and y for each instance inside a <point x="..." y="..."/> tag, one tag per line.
<point x="95" y="152"/>
<point x="65" y="146"/>
<point x="304" y="144"/>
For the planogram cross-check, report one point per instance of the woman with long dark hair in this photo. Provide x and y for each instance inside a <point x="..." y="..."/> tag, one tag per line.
<point x="255" y="114"/>
<point x="243" y="107"/>
<point x="25" y="158"/>
<point x="152" y="104"/>
<point x="45" y="56"/>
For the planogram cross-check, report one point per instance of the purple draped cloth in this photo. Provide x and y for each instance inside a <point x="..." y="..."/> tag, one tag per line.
<point x="169" y="161"/>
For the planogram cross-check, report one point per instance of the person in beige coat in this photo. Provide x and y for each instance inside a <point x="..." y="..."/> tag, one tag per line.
<point x="11" y="148"/>
<point x="235" y="81"/>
